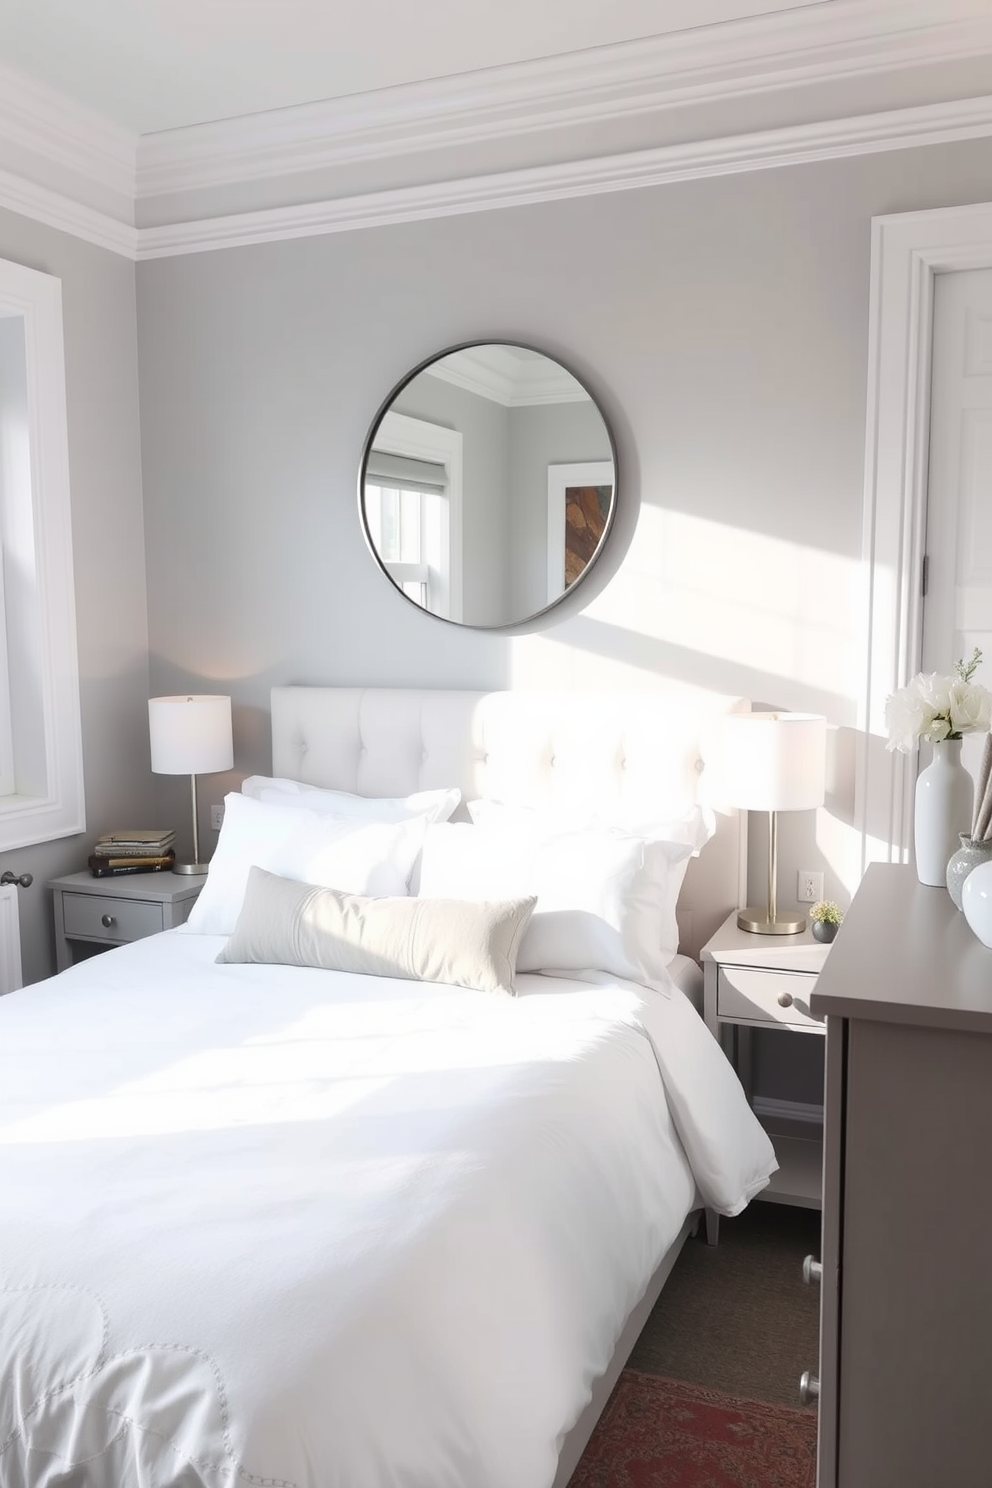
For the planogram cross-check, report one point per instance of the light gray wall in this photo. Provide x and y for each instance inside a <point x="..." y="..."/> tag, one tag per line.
<point x="98" y="304"/>
<point x="485" y="523"/>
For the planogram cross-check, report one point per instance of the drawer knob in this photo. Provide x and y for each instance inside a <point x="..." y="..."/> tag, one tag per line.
<point x="107" y="921"/>
<point x="785" y="999"/>
<point x="812" y="1270"/>
<point x="809" y="1388"/>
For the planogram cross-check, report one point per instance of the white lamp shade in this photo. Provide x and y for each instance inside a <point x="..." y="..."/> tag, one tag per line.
<point x="771" y="761"/>
<point x="190" y="735"/>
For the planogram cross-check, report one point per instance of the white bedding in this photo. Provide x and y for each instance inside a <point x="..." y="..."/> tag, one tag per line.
<point x="276" y="1226"/>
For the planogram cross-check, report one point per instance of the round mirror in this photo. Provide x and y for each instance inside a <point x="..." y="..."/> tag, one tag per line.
<point x="488" y="484"/>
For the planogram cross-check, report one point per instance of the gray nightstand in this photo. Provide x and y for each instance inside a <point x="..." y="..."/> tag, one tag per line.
<point x="764" y="981"/>
<point x="97" y="913"/>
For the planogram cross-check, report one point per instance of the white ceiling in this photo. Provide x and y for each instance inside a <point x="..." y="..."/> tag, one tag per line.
<point x="150" y="65"/>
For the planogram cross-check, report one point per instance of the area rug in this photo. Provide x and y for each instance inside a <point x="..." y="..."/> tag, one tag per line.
<point x="660" y="1433"/>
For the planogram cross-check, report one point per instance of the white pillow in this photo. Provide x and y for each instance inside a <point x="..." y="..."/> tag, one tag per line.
<point x="605" y="898"/>
<point x="435" y="805"/>
<point x="356" y="857"/>
<point x="429" y="940"/>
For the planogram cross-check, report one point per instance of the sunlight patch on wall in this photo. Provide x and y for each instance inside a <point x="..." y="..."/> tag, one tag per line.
<point x="758" y="605"/>
<point x="769" y="604"/>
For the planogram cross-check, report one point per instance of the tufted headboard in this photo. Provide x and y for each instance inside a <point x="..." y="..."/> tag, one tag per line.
<point x="639" y="750"/>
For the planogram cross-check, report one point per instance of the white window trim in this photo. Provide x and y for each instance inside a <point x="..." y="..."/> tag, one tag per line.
<point x="7" y="781"/>
<point x="560" y="477"/>
<point x="399" y="434"/>
<point x="908" y="251"/>
<point x="58" y="810"/>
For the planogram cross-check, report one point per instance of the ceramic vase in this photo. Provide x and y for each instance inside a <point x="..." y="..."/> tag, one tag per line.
<point x="824" y="931"/>
<point x="976" y="901"/>
<point x="945" y="800"/>
<point x="970" y="854"/>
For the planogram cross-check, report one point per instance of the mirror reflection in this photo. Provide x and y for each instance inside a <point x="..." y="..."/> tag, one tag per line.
<point x="488" y="484"/>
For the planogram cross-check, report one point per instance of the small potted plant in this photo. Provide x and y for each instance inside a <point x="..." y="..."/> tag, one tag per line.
<point x="825" y="918"/>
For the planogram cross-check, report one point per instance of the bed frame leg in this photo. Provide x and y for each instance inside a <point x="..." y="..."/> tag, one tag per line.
<point x="712" y="1227"/>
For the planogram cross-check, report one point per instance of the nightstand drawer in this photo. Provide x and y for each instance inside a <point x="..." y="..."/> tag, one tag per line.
<point x="747" y="994"/>
<point x="110" y="919"/>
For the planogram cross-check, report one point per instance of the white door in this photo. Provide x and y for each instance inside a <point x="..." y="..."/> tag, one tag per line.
<point x="957" y="611"/>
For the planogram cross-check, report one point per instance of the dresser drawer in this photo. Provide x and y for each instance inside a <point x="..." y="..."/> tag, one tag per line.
<point x="746" y="994"/>
<point x="109" y="919"/>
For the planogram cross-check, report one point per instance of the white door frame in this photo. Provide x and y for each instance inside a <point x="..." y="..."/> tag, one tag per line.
<point x="907" y="251"/>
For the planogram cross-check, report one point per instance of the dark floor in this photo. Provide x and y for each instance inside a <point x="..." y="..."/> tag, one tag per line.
<point x="738" y="1317"/>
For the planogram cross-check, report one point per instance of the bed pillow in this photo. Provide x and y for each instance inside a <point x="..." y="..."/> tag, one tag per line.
<point x="605" y="898"/>
<point x="436" y="805"/>
<point x="351" y="855"/>
<point x="427" y="940"/>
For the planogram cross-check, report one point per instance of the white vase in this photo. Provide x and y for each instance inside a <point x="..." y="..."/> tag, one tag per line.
<point x="945" y="800"/>
<point x="976" y="901"/>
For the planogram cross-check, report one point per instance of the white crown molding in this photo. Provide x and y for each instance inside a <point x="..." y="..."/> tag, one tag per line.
<point x="835" y="139"/>
<point x="829" y="42"/>
<point x="40" y="120"/>
<point x="66" y="215"/>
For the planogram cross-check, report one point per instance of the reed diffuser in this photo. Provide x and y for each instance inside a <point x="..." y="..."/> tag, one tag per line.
<point x="981" y="830"/>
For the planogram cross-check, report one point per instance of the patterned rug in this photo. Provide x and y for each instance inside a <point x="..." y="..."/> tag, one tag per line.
<point x="659" y="1433"/>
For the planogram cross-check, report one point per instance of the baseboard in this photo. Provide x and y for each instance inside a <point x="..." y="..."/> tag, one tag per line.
<point x="767" y="1108"/>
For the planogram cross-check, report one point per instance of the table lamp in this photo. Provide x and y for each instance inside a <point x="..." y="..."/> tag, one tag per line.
<point x="772" y="762"/>
<point x="190" y="736"/>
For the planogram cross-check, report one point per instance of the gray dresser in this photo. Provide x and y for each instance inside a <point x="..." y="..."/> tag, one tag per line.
<point x="906" y="1306"/>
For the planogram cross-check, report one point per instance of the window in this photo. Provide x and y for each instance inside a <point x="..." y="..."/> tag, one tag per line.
<point x="41" y="776"/>
<point x="412" y="504"/>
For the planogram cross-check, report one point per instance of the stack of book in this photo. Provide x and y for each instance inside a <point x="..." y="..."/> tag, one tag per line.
<point x="132" y="852"/>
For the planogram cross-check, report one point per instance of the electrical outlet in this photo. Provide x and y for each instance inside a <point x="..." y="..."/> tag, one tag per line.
<point x="216" y="817"/>
<point x="810" y="887"/>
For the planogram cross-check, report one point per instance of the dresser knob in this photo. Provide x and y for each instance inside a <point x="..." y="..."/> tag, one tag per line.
<point x="812" y="1271"/>
<point x="809" y="1388"/>
<point x="107" y="921"/>
<point x="785" y="999"/>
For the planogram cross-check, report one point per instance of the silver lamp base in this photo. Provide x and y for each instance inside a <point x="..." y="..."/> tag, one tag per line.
<point x="758" y="922"/>
<point x="190" y="867"/>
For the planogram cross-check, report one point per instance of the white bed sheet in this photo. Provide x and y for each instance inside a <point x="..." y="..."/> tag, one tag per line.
<point x="274" y="1226"/>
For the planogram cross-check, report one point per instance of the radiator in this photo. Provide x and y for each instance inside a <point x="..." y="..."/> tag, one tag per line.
<point x="10" y="941"/>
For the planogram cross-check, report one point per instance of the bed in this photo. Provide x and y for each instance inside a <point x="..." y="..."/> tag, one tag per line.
<point x="282" y="1225"/>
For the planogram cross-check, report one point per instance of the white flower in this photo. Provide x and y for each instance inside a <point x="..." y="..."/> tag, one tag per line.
<point x="907" y="718"/>
<point x="970" y="707"/>
<point x="936" y="707"/>
<point x="935" y="690"/>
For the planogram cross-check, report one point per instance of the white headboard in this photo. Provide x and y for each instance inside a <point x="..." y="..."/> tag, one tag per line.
<point x="640" y="750"/>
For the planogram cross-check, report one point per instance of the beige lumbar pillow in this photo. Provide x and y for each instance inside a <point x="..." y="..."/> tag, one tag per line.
<point x="456" y="941"/>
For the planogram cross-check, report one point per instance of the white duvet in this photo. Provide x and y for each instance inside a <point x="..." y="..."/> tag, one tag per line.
<point x="276" y="1227"/>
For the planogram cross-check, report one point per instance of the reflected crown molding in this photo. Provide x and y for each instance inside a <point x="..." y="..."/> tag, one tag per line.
<point x="504" y="376"/>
